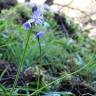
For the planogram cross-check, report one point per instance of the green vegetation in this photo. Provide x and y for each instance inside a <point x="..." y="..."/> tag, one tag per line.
<point x="64" y="57"/>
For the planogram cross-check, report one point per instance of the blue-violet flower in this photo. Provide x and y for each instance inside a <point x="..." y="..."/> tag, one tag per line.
<point x="40" y="34"/>
<point x="27" y="25"/>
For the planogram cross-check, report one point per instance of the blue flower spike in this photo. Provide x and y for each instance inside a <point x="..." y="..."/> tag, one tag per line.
<point x="40" y="34"/>
<point x="38" y="17"/>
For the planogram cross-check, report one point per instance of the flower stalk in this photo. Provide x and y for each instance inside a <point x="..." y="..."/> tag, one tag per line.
<point x="40" y="50"/>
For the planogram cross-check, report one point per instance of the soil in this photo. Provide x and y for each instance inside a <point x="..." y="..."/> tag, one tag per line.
<point x="75" y="85"/>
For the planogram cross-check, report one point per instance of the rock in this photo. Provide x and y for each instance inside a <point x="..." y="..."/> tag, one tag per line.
<point x="49" y="2"/>
<point x="31" y="74"/>
<point x="7" y="4"/>
<point x="92" y="34"/>
<point x="27" y="0"/>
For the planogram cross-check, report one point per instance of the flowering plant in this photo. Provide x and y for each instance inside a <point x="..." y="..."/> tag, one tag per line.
<point x="37" y="19"/>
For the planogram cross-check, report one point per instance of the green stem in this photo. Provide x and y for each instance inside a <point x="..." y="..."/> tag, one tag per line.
<point x="4" y="92"/>
<point x="21" y="62"/>
<point x="38" y="81"/>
